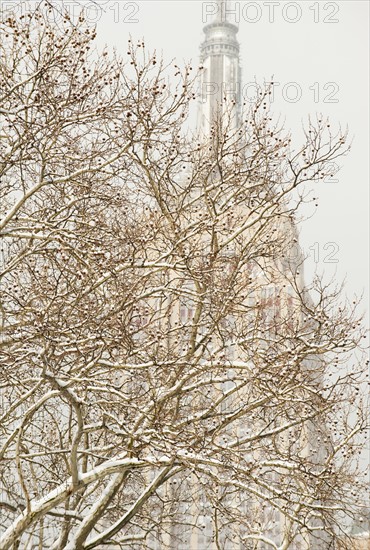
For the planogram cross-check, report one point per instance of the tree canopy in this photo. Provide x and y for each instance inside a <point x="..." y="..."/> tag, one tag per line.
<point x="164" y="368"/>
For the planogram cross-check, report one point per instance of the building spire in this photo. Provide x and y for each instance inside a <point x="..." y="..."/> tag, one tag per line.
<point x="219" y="56"/>
<point x="223" y="11"/>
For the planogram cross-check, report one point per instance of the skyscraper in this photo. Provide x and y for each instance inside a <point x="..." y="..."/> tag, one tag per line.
<point x="194" y="525"/>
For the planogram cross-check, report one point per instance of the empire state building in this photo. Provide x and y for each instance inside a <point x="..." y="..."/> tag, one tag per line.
<point x="194" y="525"/>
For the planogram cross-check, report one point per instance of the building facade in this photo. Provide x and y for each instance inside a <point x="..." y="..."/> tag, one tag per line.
<point x="194" y="526"/>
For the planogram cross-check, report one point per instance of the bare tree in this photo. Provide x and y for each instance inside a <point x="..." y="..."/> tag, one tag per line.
<point x="164" y="370"/>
